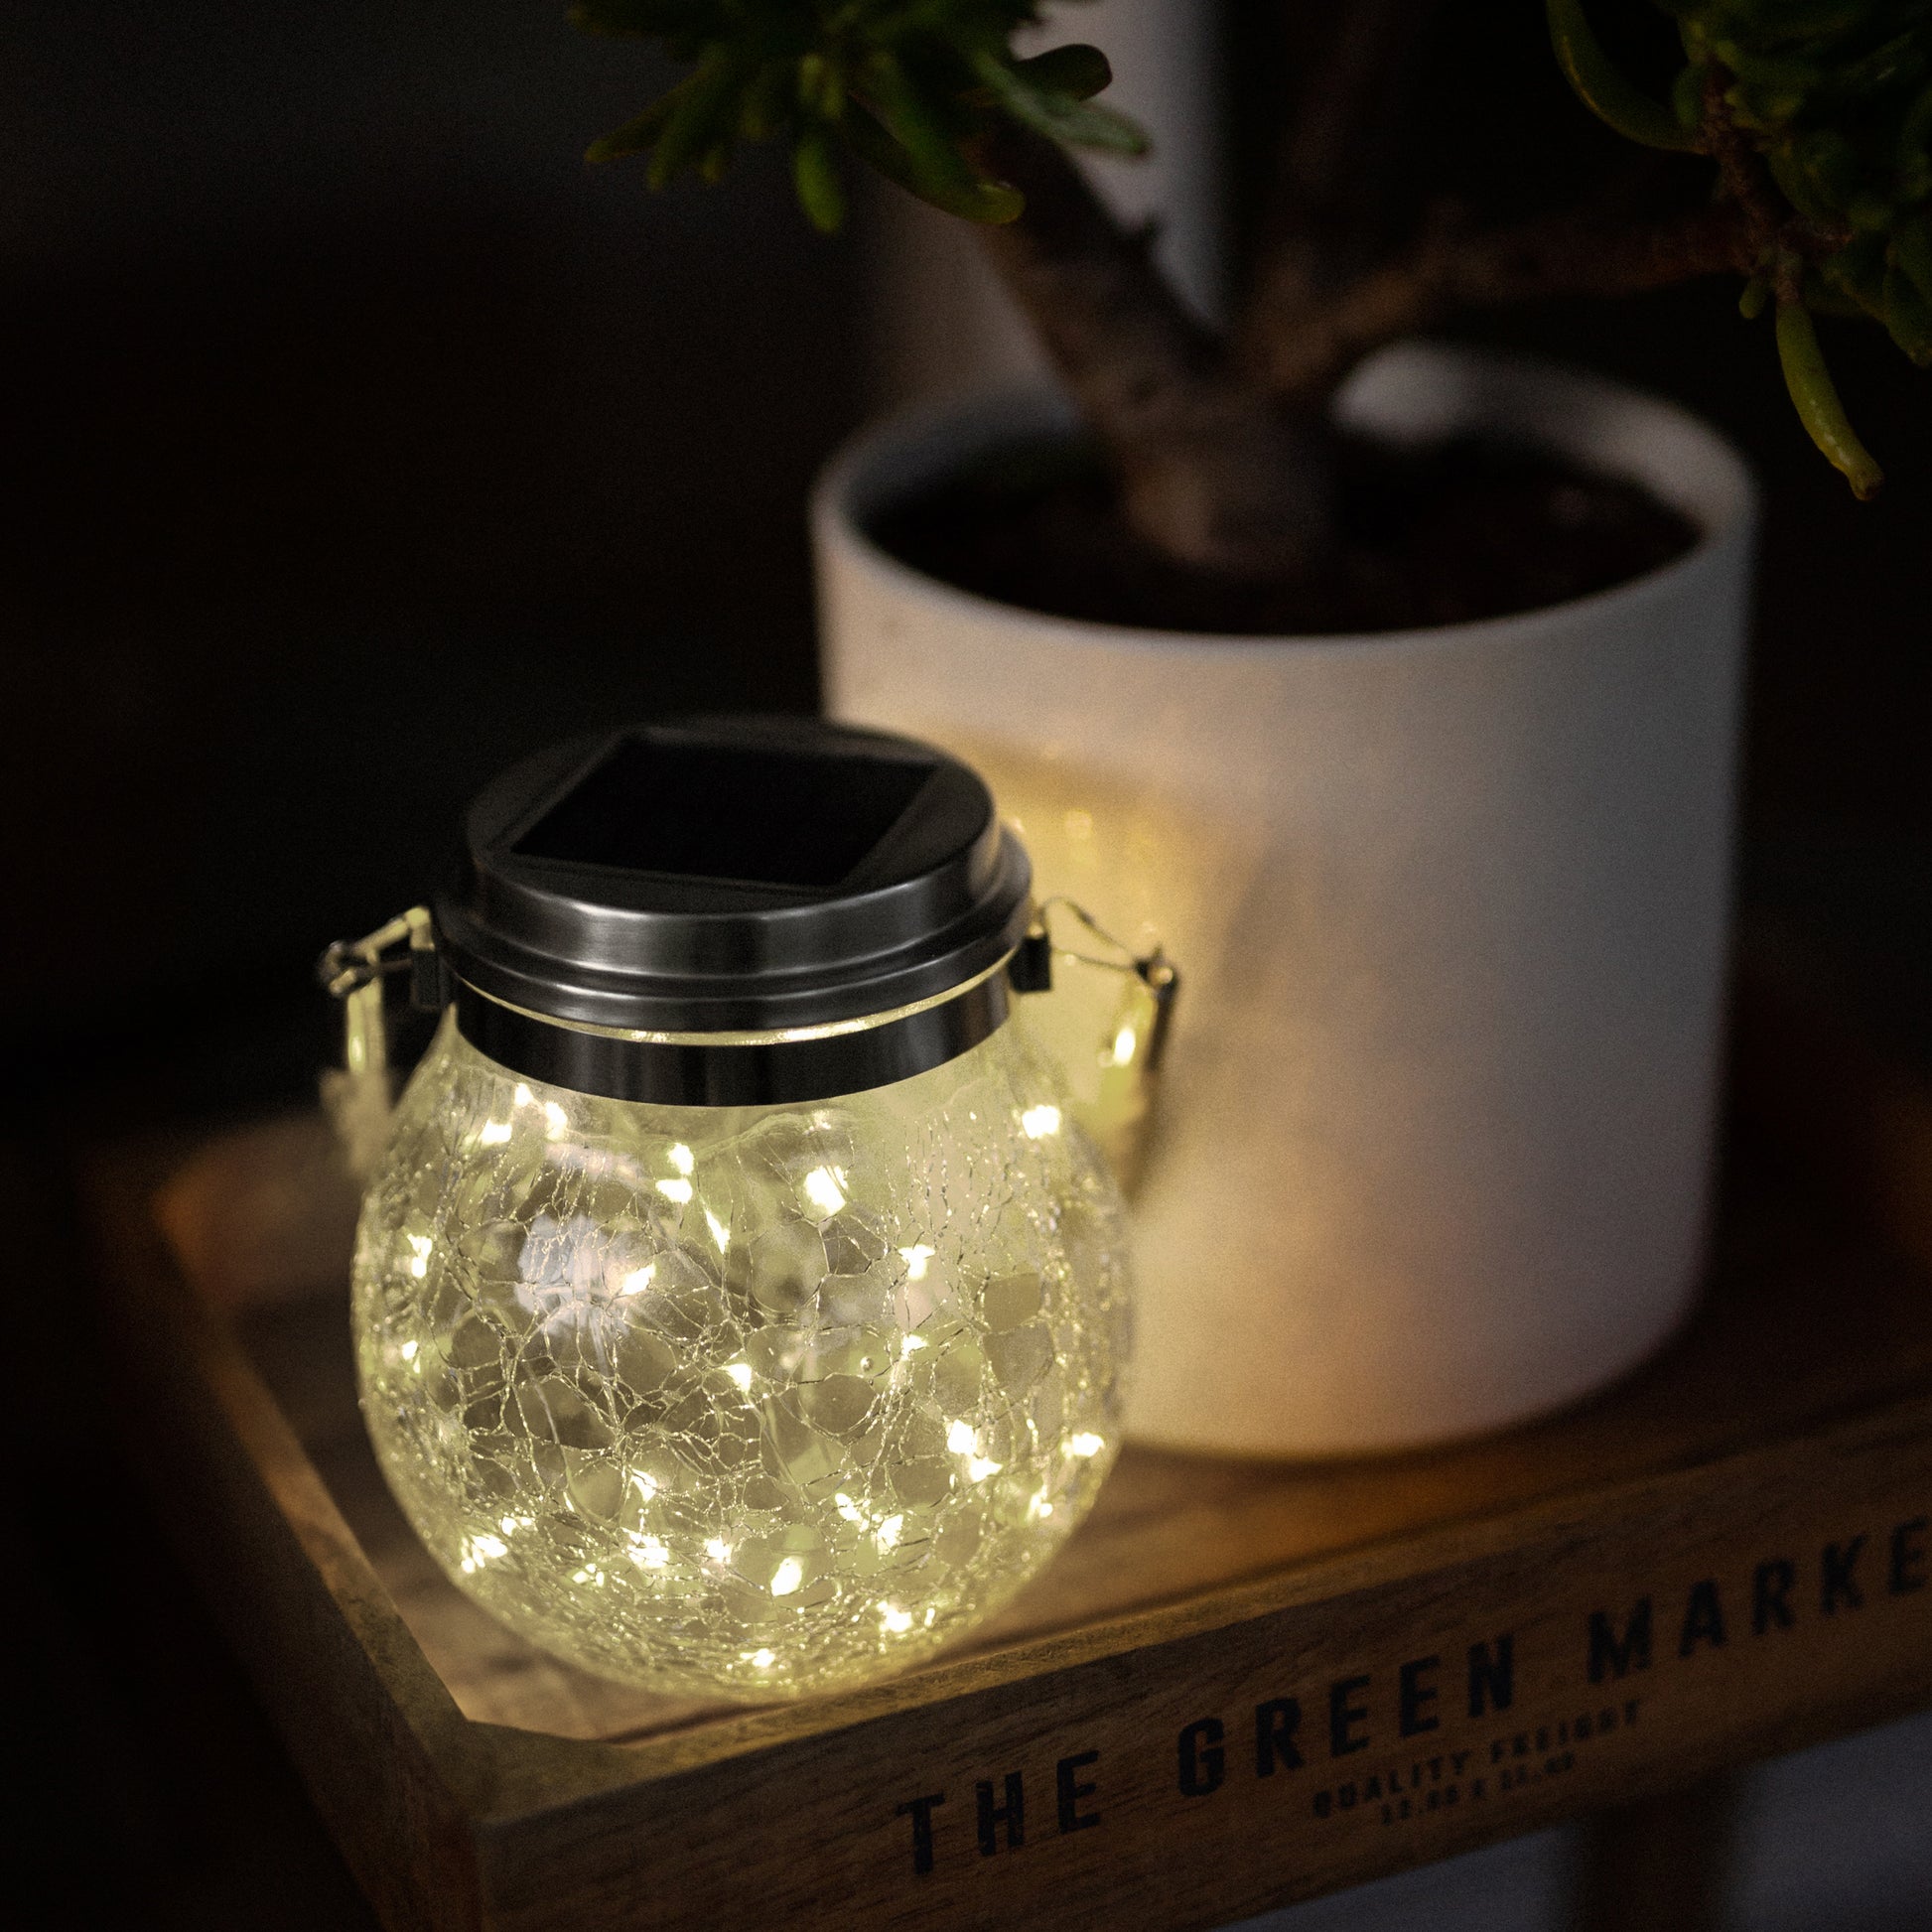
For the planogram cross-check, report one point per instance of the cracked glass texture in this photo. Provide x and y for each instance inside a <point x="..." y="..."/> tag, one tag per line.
<point x="750" y="1401"/>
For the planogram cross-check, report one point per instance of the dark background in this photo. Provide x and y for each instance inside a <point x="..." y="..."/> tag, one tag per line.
<point x="361" y="438"/>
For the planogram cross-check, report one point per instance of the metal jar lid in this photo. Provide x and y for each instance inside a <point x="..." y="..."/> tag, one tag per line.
<point x="733" y="912"/>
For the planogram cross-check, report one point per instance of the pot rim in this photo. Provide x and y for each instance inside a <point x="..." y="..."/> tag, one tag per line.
<point x="1548" y="405"/>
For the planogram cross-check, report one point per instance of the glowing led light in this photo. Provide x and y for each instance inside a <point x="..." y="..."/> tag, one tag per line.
<point x="822" y="1189"/>
<point x="521" y="1094"/>
<point x="1124" y="1044"/>
<point x="480" y="1549"/>
<point x="1086" y="1443"/>
<point x="536" y="1315"/>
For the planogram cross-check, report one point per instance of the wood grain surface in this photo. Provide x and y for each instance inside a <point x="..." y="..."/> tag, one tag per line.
<point x="1239" y="1683"/>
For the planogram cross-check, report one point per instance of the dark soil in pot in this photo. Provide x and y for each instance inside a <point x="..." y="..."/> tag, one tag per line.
<point x="1448" y="534"/>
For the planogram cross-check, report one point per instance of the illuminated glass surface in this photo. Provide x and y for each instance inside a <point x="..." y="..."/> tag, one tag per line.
<point x="741" y="1401"/>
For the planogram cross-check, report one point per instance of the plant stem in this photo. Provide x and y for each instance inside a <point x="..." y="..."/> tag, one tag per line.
<point x="1355" y="69"/>
<point x="1301" y="352"/>
<point x="1214" y="472"/>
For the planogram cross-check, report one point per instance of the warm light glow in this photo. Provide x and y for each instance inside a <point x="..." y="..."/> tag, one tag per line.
<point x="480" y="1549"/>
<point x="823" y="1189"/>
<point x="1086" y="1443"/>
<point x="680" y="1362"/>
<point x="1124" y="1044"/>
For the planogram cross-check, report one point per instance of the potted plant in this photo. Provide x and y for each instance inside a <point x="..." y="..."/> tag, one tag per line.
<point x="1398" y="686"/>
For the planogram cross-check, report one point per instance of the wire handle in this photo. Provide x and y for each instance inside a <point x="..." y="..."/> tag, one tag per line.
<point x="357" y="1095"/>
<point x="1155" y="970"/>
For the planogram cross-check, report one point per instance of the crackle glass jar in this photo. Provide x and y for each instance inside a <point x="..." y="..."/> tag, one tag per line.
<point x="739" y="1309"/>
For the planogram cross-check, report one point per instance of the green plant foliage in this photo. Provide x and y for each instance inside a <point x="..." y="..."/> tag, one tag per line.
<point x="1601" y="86"/>
<point x="1833" y="100"/>
<point x="1836" y="96"/>
<point x="905" y="85"/>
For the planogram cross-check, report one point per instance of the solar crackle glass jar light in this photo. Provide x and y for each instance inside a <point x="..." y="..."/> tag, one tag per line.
<point x="739" y="1309"/>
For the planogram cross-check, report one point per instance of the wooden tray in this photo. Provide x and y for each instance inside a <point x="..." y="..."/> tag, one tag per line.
<point x="1239" y="1685"/>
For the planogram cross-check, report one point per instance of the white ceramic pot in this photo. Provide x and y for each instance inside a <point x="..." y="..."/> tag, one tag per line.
<point x="1452" y="910"/>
